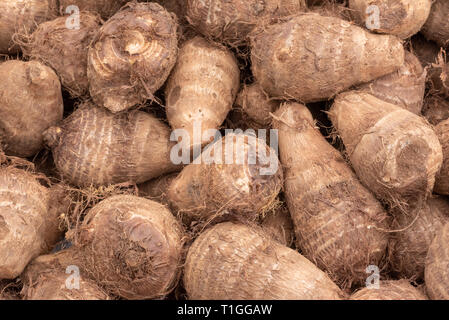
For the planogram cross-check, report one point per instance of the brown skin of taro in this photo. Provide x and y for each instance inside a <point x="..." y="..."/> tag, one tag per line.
<point x="390" y="290"/>
<point x="436" y="27"/>
<point x="436" y="274"/>
<point x="106" y="8"/>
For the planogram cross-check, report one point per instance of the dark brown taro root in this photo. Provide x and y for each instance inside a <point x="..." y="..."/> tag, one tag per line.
<point x="96" y="147"/>
<point x="132" y="247"/>
<point x="65" y="50"/>
<point x="436" y="273"/>
<point x="233" y="261"/>
<point x="337" y="221"/>
<point x="436" y="109"/>
<point x="132" y="56"/>
<point x="436" y="27"/>
<point x="30" y="103"/>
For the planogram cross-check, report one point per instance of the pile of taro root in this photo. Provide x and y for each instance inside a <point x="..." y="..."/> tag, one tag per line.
<point x="224" y="149"/>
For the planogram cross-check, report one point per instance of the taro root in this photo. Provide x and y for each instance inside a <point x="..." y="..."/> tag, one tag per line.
<point x="132" y="247"/>
<point x="30" y="103"/>
<point x="132" y="56"/>
<point x="338" y="222"/>
<point x="436" y="109"/>
<point x="436" y="273"/>
<point x="312" y="58"/>
<point x="232" y="21"/>
<point x="395" y="153"/>
<point x="65" y="50"/>
<point x="436" y="27"/>
<point x="96" y="147"/>
<point x="231" y="261"/>
<point x="105" y="8"/>
<point x="57" y="277"/>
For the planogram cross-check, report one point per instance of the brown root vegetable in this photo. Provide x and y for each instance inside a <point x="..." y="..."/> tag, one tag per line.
<point x="232" y="21"/>
<point x="404" y="87"/>
<point x="426" y="51"/>
<point x="201" y="89"/>
<point x="408" y="248"/>
<point x="30" y="102"/>
<point x="22" y="17"/>
<point x="336" y="219"/>
<point x="436" y="27"/>
<point x="256" y="104"/>
<point x="437" y="265"/>
<point x="156" y="189"/>
<point x="106" y="8"/>
<point x="390" y="290"/>
<point x="232" y="261"/>
<point x="131" y="246"/>
<point x="178" y="7"/>
<point x="395" y="153"/>
<point x="132" y="56"/>
<point x="238" y="175"/>
<point x="96" y="147"/>
<point x="28" y="223"/>
<point x="57" y="276"/>
<point x="328" y="55"/>
<point x="402" y="18"/>
<point x="65" y="50"/>
<point x="436" y="109"/>
<point x="442" y="178"/>
<point x="279" y="226"/>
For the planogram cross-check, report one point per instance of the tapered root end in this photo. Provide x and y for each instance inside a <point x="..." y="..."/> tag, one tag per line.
<point x="52" y="136"/>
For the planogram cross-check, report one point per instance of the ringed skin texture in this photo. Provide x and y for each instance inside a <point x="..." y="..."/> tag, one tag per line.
<point x="408" y="248"/>
<point x="132" y="247"/>
<point x="45" y="278"/>
<point x="312" y="58"/>
<point x="336" y="219"/>
<point x="390" y="290"/>
<point x="223" y="181"/>
<point x="202" y="88"/>
<point x="436" y="27"/>
<point x="106" y="8"/>
<point x="22" y="17"/>
<point x="395" y="153"/>
<point x="404" y="87"/>
<point x="437" y="266"/>
<point x="231" y="261"/>
<point x="402" y="18"/>
<point x="132" y="56"/>
<point x="232" y="21"/>
<point x="30" y="102"/>
<point x="65" y="50"/>
<point x="28" y="222"/>
<point x="96" y="147"/>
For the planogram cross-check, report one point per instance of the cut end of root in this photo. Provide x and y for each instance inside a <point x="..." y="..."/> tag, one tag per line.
<point x="52" y="136"/>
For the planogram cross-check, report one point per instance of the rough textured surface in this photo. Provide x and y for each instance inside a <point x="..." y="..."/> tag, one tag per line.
<point x="279" y="225"/>
<point x="394" y="152"/>
<point x="27" y="225"/>
<point x="404" y="87"/>
<point x="95" y="146"/>
<point x="105" y="8"/>
<point x="436" y="109"/>
<point x="442" y="180"/>
<point x="132" y="247"/>
<point x="408" y="248"/>
<point x="232" y="261"/>
<point x="437" y="266"/>
<point x="156" y="189"/>
<point x="231" y="21"/>
<point x="328" y="55"/>
<point x="22" y="17"/>
<point x="65" y="50"/>
<point x="436" y="27"/>
<point x="202" y="88"/>
<point x="53" y="277"/>
<point x="390" y="290"/>
<point x="245" y="188"/>
<point x="132" y="56"/>
<point x="30" y="102"/>
<point x="256" y="104"/>
<point x="402" y="18"/>
<point x="335" y="217"/>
